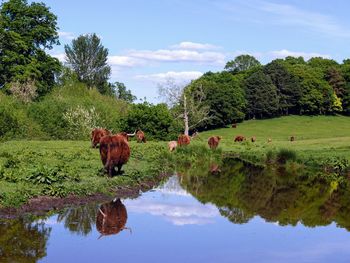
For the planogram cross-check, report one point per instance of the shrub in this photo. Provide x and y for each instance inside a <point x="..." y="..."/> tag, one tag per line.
<point x="155" y="120"/>
<point x="69" y="111"/>
<point x="284" y="155"/>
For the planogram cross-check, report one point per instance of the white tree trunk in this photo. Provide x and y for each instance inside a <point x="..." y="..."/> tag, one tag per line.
<point x="185" y="116"/>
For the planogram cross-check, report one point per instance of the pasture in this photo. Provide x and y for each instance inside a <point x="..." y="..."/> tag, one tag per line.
<point x="60" y="168"/>
<point x="318" y="139"/>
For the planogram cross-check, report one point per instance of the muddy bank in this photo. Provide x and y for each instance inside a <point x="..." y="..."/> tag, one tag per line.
<point x="41" y="205"/>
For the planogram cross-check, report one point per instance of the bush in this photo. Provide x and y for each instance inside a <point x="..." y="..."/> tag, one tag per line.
<point x="284" y="155"/>
<point x="155" y="120"/>
<point x="14" y="121"/>
<point x="70" y="111"/>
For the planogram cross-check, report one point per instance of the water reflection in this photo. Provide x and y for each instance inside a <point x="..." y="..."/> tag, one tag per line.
<point x="288" y="197"/>
<point x="111" y="218"/>
<point x="233" y="200"/>
<point x="22" y="240"/>
<point x="79" y="220"/>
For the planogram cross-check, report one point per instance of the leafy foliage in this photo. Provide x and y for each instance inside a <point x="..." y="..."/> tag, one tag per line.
<point x="88" y="59"/>
<point x="27" y="30"/>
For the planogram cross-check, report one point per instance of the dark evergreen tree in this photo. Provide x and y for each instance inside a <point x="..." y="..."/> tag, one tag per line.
<point x="261" y="95"/>
<point x="288" y="87"/>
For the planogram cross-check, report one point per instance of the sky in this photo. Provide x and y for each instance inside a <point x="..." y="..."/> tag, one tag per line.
<point x="152" y="41"/>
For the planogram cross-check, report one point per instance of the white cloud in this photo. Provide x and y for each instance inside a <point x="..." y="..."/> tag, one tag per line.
<point x="290" y="15"/>
<point x="181" y="55"/>
<point x="187" y="45"/>
<point x="181" y="76"/>
<point x="66" y="35"/>
<point x="123" y="61"/>
<point x="178" y="214"/>
<point x="60" y="56"/>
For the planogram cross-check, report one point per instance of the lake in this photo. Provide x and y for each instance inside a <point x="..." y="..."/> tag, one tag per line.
<point x="235" y="213"/>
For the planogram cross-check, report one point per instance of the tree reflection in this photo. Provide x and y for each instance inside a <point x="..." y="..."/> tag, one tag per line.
<point x="22" y="241"/>
<point x="275" y="194"/>
<point x="79" y="220"/>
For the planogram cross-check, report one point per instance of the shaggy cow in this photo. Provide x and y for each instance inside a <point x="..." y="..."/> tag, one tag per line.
<point x="111" y="218"/>
<point x="114" y="152"/>
<point x="292" y="138"/>
<point x="140" y="136"/>
<point x="234" y="125"/>
<point x="183" y="140"/>
<point x="239" y="138"/>
<point x="96" y="136"/>
<point x="172" y="145"/>
<point x="213" y="142"/>
<point x="269" y="140"/>
<point x="253" y="139"/>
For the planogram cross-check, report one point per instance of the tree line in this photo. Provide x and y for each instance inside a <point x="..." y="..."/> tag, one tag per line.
<point x="245" y="89"/>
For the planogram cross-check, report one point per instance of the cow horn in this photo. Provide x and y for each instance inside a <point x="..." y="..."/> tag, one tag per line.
<point x="128" y="228"/>
<point x="131" y="134"/>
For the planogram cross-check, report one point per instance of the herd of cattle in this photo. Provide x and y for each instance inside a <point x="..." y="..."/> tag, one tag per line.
<point x="115" y="150"/>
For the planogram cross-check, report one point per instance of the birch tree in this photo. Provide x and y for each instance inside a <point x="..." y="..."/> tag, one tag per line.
<point x="189" y="104"/>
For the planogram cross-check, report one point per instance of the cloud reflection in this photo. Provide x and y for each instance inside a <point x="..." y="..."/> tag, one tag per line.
<point x="174" y="204"/>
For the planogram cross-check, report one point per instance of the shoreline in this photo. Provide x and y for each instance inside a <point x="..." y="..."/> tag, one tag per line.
<point x="42" y="205"/>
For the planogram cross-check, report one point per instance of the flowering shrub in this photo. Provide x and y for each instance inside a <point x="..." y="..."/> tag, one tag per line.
<point x="80" y="122"/>
<point x="25" y="92"/>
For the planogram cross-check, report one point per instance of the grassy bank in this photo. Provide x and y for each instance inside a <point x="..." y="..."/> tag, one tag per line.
<point x="60" y="168"/>
<point x="318" y="141"/>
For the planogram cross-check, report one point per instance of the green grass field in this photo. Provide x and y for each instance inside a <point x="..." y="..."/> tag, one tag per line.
<point x="317" y="138"/>
<point x="60" y="168"/>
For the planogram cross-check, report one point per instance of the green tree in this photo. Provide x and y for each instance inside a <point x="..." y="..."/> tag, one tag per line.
<point x="261" y="95"/>
<point x="223" y="96"/>
<point x="317" y="95"/>
<point x="122" y="93"/>
<point x="88" y="59"/>
<point x="336" y="80"/>
<point x="27" y="31"/>
<point x="288" y="86"/>
<point x="241" y="63"/>
<point x="155" y="120"/>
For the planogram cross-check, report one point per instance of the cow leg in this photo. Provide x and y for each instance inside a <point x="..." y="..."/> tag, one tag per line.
<point x="120" y="169"/>
<point x="110" y="170"/>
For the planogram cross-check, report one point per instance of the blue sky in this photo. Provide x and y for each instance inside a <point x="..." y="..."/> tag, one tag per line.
<point x="150" y="41"/>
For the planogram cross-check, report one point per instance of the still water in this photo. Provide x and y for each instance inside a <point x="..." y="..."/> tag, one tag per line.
<point x="241" y="214"/>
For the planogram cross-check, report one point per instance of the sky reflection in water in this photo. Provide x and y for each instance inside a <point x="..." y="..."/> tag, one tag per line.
<point x="169" y="225"/>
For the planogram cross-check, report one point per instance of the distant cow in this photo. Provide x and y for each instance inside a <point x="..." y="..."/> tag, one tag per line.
<point x="234" y="125"/>
<point x="172" y="145"/>
<point x="269" y="140"/>
<point x="96" y="135"/>
<point x="114" y="152"/>
<point x="239" y="138"/>
<point x="183" y="140"/>
<point x="213" y="142"/>
<point x="292" y="138"/>
<point x="253" y="139"/>
<point x="111" y="218"/>
<point x="140" y="136"/>
<point x="126" y="135"/>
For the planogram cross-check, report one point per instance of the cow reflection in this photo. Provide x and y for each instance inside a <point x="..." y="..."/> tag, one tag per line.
<point x="111" y="218"/>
